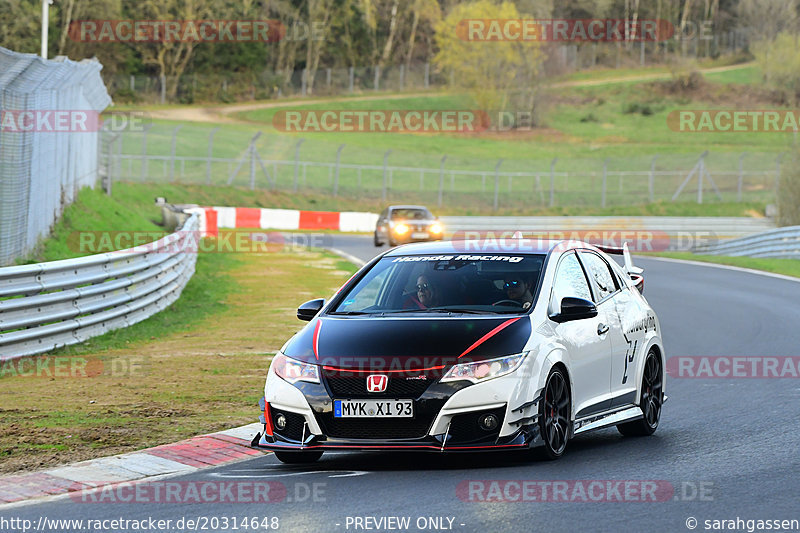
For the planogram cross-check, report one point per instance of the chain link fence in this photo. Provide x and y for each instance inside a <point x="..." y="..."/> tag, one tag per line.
<point x="164" y="153"/>
<point x="46" y="152"/>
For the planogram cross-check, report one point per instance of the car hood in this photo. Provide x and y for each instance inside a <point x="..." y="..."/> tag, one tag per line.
<point x="407" y="343"/>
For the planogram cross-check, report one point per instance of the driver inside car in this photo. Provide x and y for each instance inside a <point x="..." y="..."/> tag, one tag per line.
<point x="518" y="290"/>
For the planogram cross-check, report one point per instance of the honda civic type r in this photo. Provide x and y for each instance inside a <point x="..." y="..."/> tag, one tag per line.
<point x="437" y="347"/>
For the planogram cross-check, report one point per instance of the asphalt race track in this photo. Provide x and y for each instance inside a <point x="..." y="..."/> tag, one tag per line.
<point x="729" y="447"/>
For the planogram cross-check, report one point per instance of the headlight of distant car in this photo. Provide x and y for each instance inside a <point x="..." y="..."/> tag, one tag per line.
<point x="293" y="371"/>
<point x="482" y="370"/>
<point x="401" y="229"/>
<point x="436" y="228"/>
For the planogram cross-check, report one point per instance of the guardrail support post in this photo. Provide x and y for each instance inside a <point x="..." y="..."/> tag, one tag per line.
<point x="496" y="183"/>
<point x="208" y="159"/>
<point x="385" y="164"/>
<point x="296" y="162"/>
<point x="441" y="179"/>
<point x="336" y="178"/>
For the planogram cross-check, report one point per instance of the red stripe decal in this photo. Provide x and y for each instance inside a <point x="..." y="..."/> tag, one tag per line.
<point x="316" y="339"/>
<point x="489" y="335"/>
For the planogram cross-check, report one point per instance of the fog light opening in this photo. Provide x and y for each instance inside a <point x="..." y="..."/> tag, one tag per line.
<point x="280" y="421"/>
<point x="488" y="422"/>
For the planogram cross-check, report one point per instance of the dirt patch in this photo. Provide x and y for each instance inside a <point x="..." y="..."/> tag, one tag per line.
<point x="693" y="87"/>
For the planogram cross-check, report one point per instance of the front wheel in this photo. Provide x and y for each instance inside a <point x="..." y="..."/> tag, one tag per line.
<point x="294" y="458"/>
<point x="554" y="414"/>
<point x="652" y="399"/>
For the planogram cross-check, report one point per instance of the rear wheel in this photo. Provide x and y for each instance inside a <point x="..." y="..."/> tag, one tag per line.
<point x="375" y="240"/>
<point x="298" y="457"/>
<point x="554" y="414"/>
<point x="652" y="398"/>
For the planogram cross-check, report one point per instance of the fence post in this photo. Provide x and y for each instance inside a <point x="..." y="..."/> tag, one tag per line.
<point x="778" y="171"/>
<point x="296" y="162"/>
<point x="740" y="183"/>
<point x="605" y="179"/>
<point x="208" y="159"/>
<point x="402" y="77"/>
<point x="385" y="164"/>
<point x="110" y="164"/>
<point x="336" y="178"/>
<point x="144" y="150"/>
<point x="253" y="156"/>
<point x="427" y="75"/>
<point x="328" y="78"/>
<point x="172" y="152"/>
<point x="351" y="73"/>
<point x="163" y="80"/>
<point x="441" y="179"/>
<point x="641" y="54"/>
<point x="376" y="82"/>
<point x="133" y="83"/>
<point x="496" y="183"/>
<point x="553" y="181"/>
<point x="304" y="82"/>
<point x="651" y="180"/>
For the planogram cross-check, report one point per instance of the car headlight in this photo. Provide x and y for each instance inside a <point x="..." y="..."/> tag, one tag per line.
<point x="436" y="228"/>
<point x="483" y="370"/>
<point x="293" y="371"/>
<point x="401" y="229"/>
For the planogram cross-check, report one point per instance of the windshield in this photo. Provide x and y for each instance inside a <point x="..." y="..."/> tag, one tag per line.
<point x="480" y="284"/>
<point x="410" y="214"/>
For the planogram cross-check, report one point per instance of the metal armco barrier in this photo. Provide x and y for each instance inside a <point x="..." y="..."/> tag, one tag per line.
<point x="778" y="243"/>
<point x="50" y="305"/>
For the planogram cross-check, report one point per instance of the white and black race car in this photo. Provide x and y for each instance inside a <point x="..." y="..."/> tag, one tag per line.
<point x="436" y="347"/>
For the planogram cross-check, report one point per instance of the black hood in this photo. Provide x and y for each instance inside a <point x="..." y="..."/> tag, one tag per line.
<point x="407" y="343"/>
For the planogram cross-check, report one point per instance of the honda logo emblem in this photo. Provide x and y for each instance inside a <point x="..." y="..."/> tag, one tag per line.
<point x="377" y="383"/>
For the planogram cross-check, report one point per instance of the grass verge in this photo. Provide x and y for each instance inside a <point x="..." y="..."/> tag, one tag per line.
<point x="196" y="367"/>
<point x="787" y="267"/>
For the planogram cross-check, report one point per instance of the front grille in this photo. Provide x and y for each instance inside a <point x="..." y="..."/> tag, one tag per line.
<point x="356" y="387"/>
<point x="377" y="428"/>
<point x="294" y="425"/>
<point x="465" y="428"/>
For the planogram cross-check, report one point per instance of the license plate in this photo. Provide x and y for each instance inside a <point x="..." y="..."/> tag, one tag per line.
<point x="419" y="235"/>
<point x="373" y="408"/>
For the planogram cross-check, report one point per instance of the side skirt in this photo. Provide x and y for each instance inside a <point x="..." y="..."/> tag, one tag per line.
<point x="608" y="418"/>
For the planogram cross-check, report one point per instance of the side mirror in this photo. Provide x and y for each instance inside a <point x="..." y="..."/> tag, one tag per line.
<point x="638" y="282"/>
<point x="574" y="309"/>
<point x="309" y="310"/>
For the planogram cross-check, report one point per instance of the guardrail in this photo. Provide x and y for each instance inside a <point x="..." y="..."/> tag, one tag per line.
<point x="50" y="305"/>
<point x="782" y="243"/>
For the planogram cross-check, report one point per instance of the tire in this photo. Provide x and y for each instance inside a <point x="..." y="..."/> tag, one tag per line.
<point x="651" y="402"/>
<point x="375" y="240"/>
<point x="293" y="458"/>
<point x="554" y="415"/>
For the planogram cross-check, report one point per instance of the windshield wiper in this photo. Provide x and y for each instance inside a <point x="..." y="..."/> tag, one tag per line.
<point x="351" y="313"/>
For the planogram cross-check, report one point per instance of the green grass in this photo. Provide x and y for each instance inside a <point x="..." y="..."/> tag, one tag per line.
<point x="787" y="267"/>
<point x="132" y="209"/>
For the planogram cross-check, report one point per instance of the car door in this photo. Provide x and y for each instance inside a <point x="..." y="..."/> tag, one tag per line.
<point x="586" y="340"/>
<point x="614" y="304"/>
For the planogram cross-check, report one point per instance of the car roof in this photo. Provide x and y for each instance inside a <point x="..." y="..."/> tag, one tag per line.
<point x="461" y="247"/>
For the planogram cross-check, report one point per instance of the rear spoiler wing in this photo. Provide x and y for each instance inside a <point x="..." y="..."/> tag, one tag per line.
<point x="634" y="272"/>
